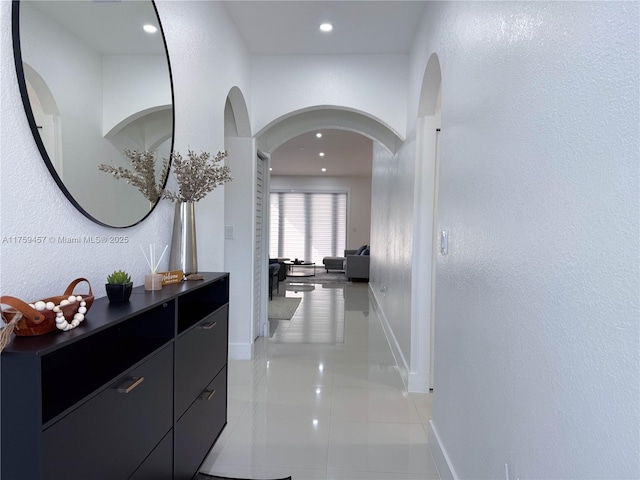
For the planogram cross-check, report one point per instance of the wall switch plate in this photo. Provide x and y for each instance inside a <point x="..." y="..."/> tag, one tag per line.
<point x="228" y="232"/>
<point x="444" y="242"/>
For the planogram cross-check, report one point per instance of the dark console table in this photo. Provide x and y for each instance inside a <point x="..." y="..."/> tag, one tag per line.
<point x="138" y="391"/>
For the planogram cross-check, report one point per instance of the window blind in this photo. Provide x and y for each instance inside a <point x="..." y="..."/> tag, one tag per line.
<point x="307" y="225"/>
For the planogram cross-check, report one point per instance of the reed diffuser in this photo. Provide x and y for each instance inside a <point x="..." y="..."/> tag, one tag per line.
<point x="153" y="280"/>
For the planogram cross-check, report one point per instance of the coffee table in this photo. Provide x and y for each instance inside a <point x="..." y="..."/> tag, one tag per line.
<point x="300" y="273"/>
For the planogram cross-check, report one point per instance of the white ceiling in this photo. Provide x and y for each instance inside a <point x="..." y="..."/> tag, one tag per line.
<point x="346" y="154"/>
<point x="359" y="27"/>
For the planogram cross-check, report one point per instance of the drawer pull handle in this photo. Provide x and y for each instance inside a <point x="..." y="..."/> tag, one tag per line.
<point x="207" y="395"/>
<point x="209" y="326"/>
<point x="130" y="384"/>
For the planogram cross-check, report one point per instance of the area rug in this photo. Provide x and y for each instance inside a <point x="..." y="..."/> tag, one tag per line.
<point x="321" y="277"/>
<point x="204" y="476"/>
<point x="282" y="308"/>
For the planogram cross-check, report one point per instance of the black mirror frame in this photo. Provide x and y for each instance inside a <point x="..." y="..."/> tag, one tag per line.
<point x="22" y="84"/>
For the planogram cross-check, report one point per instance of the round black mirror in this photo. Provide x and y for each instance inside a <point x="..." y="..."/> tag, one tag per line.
<point x="95" y="81"/>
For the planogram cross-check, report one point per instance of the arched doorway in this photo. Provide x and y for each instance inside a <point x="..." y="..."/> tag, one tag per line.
<point x="421" y="377"/>
<point x="47" y="116"/>
<point x="335" y="122"/>
<point x="326" y="117"/>
<point x="241" y="259"/>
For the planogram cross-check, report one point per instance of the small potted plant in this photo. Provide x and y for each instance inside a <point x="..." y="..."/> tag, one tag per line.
<point x="119" y="286"/>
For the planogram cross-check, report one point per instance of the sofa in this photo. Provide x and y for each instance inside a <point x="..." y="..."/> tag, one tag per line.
<point x="282" y="273"/>
<point x="334" y="263"/>
<point x="355" y="263"/>
<point x="274" y="281"/>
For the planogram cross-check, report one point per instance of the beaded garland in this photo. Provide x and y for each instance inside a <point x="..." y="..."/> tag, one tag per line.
<point x="61" y="322"/>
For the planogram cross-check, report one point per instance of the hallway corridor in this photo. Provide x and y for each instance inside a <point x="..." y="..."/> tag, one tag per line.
<point x="322" y="399"/>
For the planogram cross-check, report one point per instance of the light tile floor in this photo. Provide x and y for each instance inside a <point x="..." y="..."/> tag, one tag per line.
<point x="322" y="399"/>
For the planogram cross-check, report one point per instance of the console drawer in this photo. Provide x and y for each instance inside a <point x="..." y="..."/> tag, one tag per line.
<point x="200" y="354"/>
<point x="158" y="465"/>
<point x="110" y="435"/>
<point x="199" y="427"/>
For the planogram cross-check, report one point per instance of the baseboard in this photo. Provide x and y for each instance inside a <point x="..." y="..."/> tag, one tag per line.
<point x="439" y="454"/>
<point x="240" y="351"/>
<point x="403" y="367"/>
<point x="418" y="382"/>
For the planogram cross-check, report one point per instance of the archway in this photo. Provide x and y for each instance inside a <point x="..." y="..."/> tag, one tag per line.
<point x="236" y="115"/>
<point x="326" y="117"/>
<point x="150" y="129"/>
<point x="328" y="120"/>
<point x="241" y="258"/>
<point x="360" y="130"/>
<point x="46" y="115"/>
<point x="421" y="377"/>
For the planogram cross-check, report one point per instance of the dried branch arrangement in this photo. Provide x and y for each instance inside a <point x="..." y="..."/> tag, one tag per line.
<point x="143" y="176"/>
<point x="197" y="175"/>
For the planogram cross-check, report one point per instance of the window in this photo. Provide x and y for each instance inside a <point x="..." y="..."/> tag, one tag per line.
<point x="308" y="225"/>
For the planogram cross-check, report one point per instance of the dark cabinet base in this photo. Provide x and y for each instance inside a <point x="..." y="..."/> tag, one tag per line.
<point x="108" y="436"/>
<point x="158" y="465"/>
<point x="138" y="391"/>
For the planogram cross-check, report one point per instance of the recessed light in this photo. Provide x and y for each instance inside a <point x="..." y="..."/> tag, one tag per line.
<point x="271" y="169"/>
<point x="318" y="135"/>
<point x="321" y="154"/>
<point x="324" y="169"/>
<point x="150" y="28"/>
<point x="326" y="27"/>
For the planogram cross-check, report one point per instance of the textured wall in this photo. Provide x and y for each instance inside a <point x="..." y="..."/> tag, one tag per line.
<point x="537" y="332"/>
<point x="392" y="241"/>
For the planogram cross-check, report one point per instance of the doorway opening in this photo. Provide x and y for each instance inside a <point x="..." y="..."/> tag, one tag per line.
<point x="425" y="244"/>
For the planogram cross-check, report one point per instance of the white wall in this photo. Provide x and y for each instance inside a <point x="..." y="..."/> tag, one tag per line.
<point x="392" y="238"/>
<point x="373" y="84"/>
<point x="537" y="332"/>
<point x="208" y="58"/>
<point x="239" y="249"/>
<point x="359" y="190"/>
